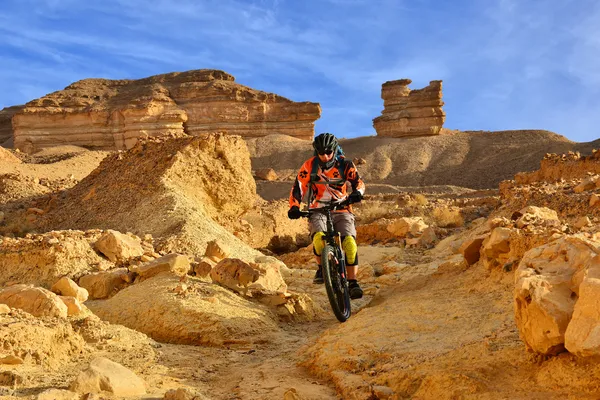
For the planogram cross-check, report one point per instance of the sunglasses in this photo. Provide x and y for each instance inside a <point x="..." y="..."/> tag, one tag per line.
<point x="326" y="152"/>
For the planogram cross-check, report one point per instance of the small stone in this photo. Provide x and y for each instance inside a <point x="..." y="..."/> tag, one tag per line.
<point x="181" y="288"/>
<point x="146" y="258"/>
<point x="383" y="392"/>
<point x="582" y="221"/>
<point x="11" y="360"/>
<point x="267" y="174"/>
<point x="216" y="251"/>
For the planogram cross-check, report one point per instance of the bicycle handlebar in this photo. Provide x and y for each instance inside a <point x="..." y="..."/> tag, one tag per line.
<point x="329" y="207"/>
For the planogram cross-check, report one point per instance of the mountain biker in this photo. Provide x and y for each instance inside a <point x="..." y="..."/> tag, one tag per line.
<point x="331" y="165"/>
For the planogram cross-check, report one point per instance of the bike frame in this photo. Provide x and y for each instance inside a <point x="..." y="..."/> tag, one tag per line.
<point x="332" y="237"/>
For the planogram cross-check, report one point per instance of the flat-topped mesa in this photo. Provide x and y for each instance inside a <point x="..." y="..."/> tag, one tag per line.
<point x="113" y="114"/>
<point x="409" y="112"/>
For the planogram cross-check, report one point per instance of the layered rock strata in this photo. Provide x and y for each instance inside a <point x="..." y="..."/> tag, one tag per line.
<point x="6" y="115"/>
<point x="409" y="112"/>
<point x="113" y="114"/>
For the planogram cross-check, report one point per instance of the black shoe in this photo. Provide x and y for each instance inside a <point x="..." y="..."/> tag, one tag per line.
<point x="355" y="290"/>
<point x="318" y="279"/>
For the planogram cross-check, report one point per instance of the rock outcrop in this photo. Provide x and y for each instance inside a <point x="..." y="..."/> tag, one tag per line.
<point x="43" y="259"/>
<point x="202" y="314"/>
<point x="6" y="132"/>
<point x="409" y="112"/>
<point x="37" y="301"/>
<point x="555" y="167"/>
<point x="113" y="114"/>
<point x="179" y="191"/>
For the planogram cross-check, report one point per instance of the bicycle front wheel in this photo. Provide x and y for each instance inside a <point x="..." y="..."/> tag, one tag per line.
<point x="336" y="284"/>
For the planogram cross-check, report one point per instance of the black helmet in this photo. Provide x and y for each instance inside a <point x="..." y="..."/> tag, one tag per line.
<point x="324" y="143"/>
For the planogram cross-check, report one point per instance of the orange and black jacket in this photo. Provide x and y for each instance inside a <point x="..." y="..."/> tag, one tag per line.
<point x="325" y="193"/>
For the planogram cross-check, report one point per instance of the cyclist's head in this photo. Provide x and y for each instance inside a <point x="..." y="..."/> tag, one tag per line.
<point x="325" y="143"/>
<point x="325" y="146"/>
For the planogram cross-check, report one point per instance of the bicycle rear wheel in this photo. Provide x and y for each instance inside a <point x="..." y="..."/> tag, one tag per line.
<point x="336" y="285"/>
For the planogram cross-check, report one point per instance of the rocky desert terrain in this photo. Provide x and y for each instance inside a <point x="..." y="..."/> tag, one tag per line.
<point x="167" y="269"/>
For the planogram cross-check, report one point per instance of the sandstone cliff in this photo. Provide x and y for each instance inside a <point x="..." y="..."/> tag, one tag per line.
<point x="409" y="112"/>
<point x="112" y="114"/>
<point x="6" y="115"/>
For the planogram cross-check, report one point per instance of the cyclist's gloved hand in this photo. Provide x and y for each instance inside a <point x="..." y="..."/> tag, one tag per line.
<point x="355" y="197"/>
<point x="294" y="212"/>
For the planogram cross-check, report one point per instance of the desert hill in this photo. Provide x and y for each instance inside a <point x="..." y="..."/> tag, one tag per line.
<point x="476" y="160"/>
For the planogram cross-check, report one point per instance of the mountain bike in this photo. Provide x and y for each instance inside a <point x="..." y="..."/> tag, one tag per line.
<point x="333" y="262"/>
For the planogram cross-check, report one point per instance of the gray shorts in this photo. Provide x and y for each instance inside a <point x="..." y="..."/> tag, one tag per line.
<point x="343" y="223"/>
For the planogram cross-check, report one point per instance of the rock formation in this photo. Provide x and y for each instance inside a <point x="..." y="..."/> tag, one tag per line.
<point x="112" y="114"/>
<point x="179" y="192"/>
<point x="6" y="132"/>
<point x="410" y="112"/>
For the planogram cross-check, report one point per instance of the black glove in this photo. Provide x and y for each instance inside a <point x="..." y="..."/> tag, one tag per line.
<point x="294" y="212"/>
<point x="355" y="197"/>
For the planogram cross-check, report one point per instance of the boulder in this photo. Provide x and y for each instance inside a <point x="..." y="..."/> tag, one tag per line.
<point x="582" y="222"/>
<point x="175" y="263"/>
<point x="586" y="184"/>
<point x="403" y="226"/>
<point x="74" y="307"/>
<point x="216" y="251"/>
<point x="428" y="237"/>
<point x="104" y="375"/>
<point x="203" y="267"/>
<point x="118" y="247"/>
<point x="67" y="287"/>
<point x="470" y="249"/>
<point x="532" y="215"/>
<point x="183" y="394"/>
<point x="582" y="336"/>
<point x="546" y="288"/>
<point x="234" y="274"/>
<point x="36" y="301"/>
<point x="496" y="247"/>
<point x="101" y="285"/>
<point x="269" y="279"/>
<point x="266" y="174"/>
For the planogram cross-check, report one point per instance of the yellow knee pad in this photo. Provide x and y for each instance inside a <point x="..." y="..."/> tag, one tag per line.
<point x="318" y="243"/>
<point x="350" y="248"/>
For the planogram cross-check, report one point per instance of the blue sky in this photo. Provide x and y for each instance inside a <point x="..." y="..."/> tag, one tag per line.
<point x="506" y="64"/>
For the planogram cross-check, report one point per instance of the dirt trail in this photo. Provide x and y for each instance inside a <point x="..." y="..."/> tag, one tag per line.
<point x="266" y="371"/>
<point x="270" y="370"/>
